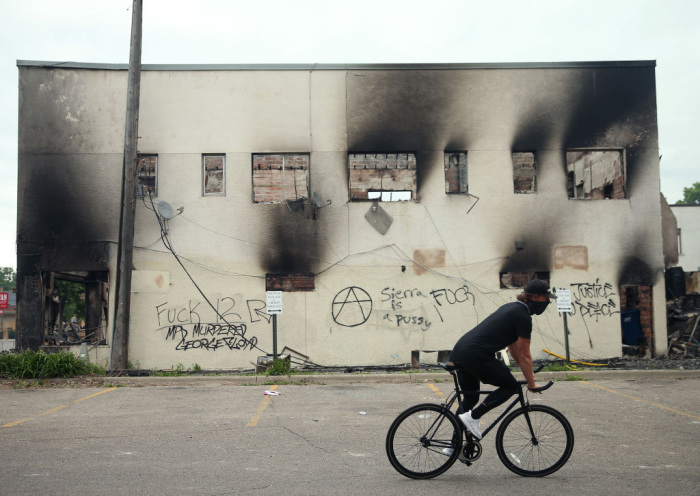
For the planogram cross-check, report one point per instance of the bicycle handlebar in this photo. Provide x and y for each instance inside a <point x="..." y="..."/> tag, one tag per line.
<point x="542" y="388"/>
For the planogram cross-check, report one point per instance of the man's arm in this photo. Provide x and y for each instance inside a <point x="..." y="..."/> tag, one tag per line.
<point x="520" y="351"/>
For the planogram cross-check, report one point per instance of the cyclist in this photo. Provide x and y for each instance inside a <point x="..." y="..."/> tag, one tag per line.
<point x="474" y="355"/>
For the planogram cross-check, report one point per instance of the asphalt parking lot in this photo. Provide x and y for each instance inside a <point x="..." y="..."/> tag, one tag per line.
<point x="635" y="434"/>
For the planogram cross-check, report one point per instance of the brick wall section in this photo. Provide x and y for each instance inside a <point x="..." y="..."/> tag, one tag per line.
<point x="381" y="172"/>
<point x="646" y="314"/>
<point x="289" y="282"/>
<point x="279" y="177"/>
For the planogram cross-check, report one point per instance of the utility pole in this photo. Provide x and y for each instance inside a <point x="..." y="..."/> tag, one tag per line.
<point x="125" y="258"/>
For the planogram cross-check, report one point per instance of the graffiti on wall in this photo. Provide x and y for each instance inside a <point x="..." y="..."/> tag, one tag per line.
<point x="351" y="307"/>
<point x="199" y="327"/>
<point x="593" y="299"/>
<point x="398" y="308"/>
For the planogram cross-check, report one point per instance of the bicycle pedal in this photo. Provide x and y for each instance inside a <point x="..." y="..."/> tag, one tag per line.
<point x="466" y="462"/>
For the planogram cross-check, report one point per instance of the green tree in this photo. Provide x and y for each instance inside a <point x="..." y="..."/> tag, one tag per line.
<point x="8" y="278"/>
<point x="691" y="195"/>
<point x="73" y="298"/>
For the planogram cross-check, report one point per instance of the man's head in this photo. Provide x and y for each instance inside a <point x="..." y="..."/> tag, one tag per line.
<point x="73" y="320"/>
<point x="537" y="296"/>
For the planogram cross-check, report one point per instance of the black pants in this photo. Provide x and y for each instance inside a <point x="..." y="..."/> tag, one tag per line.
<point x="489" y="370"/>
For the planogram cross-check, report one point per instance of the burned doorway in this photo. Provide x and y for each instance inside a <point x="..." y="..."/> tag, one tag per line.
<point x="75" y="307"/>
<point x="637" y="308"/>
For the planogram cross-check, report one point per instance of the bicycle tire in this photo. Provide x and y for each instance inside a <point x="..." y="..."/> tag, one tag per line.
<point x="417" y="437"/>
<point x="554" y="441"/>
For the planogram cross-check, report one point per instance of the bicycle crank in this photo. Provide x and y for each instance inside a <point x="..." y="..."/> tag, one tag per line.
<point x="472" y="451"/>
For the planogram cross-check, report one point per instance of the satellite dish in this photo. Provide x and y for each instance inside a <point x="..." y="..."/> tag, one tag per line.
<point x="165" y="210"/>
<point x="317" y="199"/>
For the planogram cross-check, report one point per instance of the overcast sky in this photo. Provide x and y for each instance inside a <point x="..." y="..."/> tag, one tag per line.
<point x="363" y="31"/>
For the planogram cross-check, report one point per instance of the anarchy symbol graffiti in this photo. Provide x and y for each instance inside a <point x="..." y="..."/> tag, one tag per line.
<point x="351" y="307"/>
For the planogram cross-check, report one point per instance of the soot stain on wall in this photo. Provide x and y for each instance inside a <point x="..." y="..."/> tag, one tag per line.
<point x="524" y="110"/>
<point x="292" y="243"/>
<point x="636" y="272"/>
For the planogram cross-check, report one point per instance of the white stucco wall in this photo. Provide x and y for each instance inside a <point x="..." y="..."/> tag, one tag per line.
<point x="688" y="219"/>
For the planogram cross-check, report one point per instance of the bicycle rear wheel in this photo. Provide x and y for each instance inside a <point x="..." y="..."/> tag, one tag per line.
<point x="539" y="452"/>
<point x="417" y="438"/>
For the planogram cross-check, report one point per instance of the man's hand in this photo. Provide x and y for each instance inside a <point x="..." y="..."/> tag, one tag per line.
<point x="534" y="386"/>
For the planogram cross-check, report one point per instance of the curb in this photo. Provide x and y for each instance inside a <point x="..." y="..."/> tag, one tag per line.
<point x="359" y="378"/>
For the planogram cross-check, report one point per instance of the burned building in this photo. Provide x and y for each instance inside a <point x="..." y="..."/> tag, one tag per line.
<point x="395" y="206"/>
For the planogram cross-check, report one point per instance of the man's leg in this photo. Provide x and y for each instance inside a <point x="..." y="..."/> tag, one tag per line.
<point x="467" y="383"/>
<point x="496" y="373"/>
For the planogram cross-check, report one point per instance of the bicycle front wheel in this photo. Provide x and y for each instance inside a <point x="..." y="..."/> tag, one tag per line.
<point x="537" y="452"/>
<point x="424" y="441"/>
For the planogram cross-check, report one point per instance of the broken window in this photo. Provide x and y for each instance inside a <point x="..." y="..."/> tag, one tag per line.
<point x="516" y="280"/>
<point x="595" y="174"/>
<point x="280" y="176"/>
<point x="456" y="172"/>
<point x="289" y="282"/>
<point x="524" y="172"/>
<point x="75" y="307"/>
<point x="147" y="175"/>
<point x="382" y="176"/>
<point x="213" y="174"/>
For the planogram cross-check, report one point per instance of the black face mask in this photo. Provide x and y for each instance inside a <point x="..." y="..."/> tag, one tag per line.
<point x="537" y="307"/>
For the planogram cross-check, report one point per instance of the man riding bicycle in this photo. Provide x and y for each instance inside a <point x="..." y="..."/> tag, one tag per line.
<point x="474" y="355"/>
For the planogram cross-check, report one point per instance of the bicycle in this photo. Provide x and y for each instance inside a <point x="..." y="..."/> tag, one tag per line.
<point x="427" y="439"/>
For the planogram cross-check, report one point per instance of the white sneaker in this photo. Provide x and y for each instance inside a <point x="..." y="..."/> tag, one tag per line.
<point x="474" y="425"/>
<point x="448" y="451"/>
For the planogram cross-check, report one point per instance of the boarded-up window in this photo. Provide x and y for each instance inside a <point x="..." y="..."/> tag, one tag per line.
<point x="280" y="176"/>
<point x="147" y="175"/>
<point x="456" y="172"/>
<point x="524" y="172"/>
<point x="213" y="178"/>
<point x="382" y="176"/>
<point x="595" y="174"/>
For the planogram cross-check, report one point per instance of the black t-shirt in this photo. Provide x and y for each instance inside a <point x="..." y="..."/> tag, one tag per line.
<point x="499" y="330"/>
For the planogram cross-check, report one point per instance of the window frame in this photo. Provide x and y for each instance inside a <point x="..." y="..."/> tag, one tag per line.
<point x="223" y="174"/>
<point x="284" y="155"/>
<point x="573" y="187"/>
<point x="462" y="172"/>
<point x="535" y="185"/>
<point x="391" y="165"/>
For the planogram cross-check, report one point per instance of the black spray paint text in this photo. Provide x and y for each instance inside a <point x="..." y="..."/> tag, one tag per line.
<point x="190" y="314"/>
<point x="210" y="337"/>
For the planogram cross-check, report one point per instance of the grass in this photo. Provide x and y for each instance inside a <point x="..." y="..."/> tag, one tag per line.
<point x="574" y="378"/>
<point x="559" y="367"/>
<point x="42" y="365"/>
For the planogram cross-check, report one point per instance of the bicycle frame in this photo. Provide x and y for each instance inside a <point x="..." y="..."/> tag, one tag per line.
<point x="458" y="394"/>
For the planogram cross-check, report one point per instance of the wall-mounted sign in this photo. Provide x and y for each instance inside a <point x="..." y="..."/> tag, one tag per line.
<point x="564" y="300"/>
<point x="274" y="302"/>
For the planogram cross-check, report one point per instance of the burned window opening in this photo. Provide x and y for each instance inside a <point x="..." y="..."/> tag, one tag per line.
<point x="596" y="174"/>
<point x="147" y="175"/>
<point x="456" y="179"/>
<point x="75" y="307"/>
<point x="290" y="282"/>
<point x="382" y="176"/>
<point x="524" y="173"/>
<point x="516" y="280"/>
<point x="213" y="174"/>
<point x="278" y="177"/>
